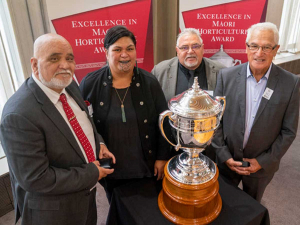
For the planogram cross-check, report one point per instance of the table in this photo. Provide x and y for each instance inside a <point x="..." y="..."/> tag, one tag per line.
<point x="136" y="203"/>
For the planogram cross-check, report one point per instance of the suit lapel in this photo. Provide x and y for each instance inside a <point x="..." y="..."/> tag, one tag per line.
<point x="271" y="84"/>
<point x="53" y="114"/>
<point x="172" y="78"/>
<point x="83" y="106"/>
<point x="241" y="91"/>
<point x="211" y="74"/>
<point x="77" y="99"/>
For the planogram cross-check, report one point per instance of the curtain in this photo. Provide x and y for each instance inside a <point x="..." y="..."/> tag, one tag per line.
<point x="289" y="31"/>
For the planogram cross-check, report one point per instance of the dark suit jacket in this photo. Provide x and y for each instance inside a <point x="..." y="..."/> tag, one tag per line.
<point x="49" y="175"/>
<point x="275" y="125"/>
<point x="166" y="73"/>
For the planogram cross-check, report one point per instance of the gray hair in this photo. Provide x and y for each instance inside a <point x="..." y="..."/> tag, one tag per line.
<point x="263" y="26"/>
<point x="189" y="31"/>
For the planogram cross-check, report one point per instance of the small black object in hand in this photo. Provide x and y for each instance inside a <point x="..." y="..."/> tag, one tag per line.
<point x="245" y="164"/>
<point x="106" y="163"/>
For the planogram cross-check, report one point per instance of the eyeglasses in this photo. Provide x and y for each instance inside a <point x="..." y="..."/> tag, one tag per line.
<point x="255" y="48"/>
<point x="186" y="48"/>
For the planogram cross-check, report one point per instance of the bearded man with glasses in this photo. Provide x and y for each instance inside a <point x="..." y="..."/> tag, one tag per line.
<point x="261" y="116"/>
<point x="176" y="75"/>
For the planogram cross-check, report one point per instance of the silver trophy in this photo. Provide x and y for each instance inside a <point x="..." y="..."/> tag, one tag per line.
<point x="194" y="115"/>
<point x="190" y="193"/>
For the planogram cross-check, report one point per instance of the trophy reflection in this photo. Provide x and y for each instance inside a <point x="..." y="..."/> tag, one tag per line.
<point x="190" y="193"/>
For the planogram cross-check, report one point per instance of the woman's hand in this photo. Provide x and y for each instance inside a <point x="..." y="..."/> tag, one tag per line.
<point x="159" y="169"/>
<point x="105" y="153"/>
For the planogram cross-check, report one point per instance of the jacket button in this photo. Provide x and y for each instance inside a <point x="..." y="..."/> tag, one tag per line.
<point x="109" y="77"/>
<point x="241" y="149"/>
<point x="104" y="84"/>
<point x="98" y="121"/>
<point x="150" y="151"/>
<point x="147" y="136"/>
<point x="141" y="103"/>
<point x="133" y="78"/>
<point x="101" y="103"/>
<point x="138" y="84"/>
<point x="145" y="121"/>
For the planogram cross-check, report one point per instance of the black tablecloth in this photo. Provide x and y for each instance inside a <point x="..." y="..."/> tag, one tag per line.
<point x="137" y="203"/>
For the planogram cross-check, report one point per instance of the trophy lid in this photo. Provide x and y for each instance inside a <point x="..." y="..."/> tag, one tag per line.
<point x="195" y="103"/>
<point x="221" y="55"/>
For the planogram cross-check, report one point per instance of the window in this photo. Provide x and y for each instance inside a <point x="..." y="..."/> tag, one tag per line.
<point x="11" y="73"/>
<point x="289" y="31"/>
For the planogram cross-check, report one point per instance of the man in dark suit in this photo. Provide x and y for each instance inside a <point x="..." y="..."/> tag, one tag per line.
<point x="52" y="157"/>
<point x="176" y="75"/>
<point x="261" y="116"/>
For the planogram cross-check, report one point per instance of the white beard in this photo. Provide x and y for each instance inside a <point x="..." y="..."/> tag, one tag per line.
<point x="55" y="83"/>
<point x="190" y="64"/>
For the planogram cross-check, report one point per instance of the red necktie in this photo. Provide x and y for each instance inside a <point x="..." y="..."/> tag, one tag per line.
<point x="77" y="129"/>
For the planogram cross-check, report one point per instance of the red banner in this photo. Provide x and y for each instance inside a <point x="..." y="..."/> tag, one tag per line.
<point x="86" y="31"/>
<point x="226" y="24"/>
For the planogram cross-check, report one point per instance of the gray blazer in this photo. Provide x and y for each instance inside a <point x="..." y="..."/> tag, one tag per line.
<point x="275" y="125"/>
<point x="166" y="74"/>
<point x="50" y="178"/>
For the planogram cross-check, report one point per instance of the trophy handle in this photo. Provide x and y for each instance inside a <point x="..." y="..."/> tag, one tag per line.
<point x="162" y="116"/>
<point x="219" y="98"/>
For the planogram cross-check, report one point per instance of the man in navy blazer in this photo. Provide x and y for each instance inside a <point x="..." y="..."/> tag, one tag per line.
<point x="52" y="180"/>
<point x="261" y="116"/>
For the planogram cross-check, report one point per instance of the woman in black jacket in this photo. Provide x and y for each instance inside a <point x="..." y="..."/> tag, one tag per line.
<point x="126" y="104"/>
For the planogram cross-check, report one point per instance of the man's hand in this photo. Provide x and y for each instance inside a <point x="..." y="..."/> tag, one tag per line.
<point x="236" y="166"/>
<point x="105" y="153"/>
<point x="254" y="165"/>
<point x="159" y="169"/>
<point x="102" y="172"/>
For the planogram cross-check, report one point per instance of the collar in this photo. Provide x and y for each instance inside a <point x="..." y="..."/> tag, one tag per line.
<point x="186" y="71"/>
<point x="267" y="74"/>
<point x="52" y="95"/>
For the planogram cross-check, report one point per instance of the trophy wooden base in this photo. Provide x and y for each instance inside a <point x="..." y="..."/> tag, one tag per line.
<point x="190" y="203"/>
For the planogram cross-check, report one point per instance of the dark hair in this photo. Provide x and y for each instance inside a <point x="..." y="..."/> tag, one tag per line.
<point x="115" y="33"/>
